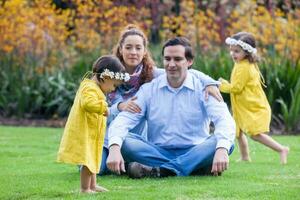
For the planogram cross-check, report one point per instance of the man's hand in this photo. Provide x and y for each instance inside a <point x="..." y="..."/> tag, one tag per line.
<point x="213" y="91"/>
<point x="115" y="161"/>
<point x="221" y="161"/>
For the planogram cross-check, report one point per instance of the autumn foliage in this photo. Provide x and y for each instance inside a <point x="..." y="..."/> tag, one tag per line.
<point x="46" y="45"/>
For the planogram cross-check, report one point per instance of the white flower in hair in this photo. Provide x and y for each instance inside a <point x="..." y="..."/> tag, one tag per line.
<point x="126" y="77"/>
<point x="106" y="72"/>
<point x="115" y="75"/>
<point x="111" y="75"/>
<point x="118" y="76"/>
<point x="244" y="45"/>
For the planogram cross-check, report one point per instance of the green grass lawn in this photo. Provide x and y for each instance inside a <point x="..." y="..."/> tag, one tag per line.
<point x="28" y="171"/>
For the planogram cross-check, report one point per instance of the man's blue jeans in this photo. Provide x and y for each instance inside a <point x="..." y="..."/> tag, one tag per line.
<point x="182" y="161"/>
<point x="103" y="168"/>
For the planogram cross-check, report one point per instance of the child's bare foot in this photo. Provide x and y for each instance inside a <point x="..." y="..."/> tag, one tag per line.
<point x="244" y="160"/>
<point x="87" y="191"/>
<point x="284" y="154"/>
<point x="99" y="188"/>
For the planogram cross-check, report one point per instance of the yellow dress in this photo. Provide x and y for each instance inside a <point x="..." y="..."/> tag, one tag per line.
<point x="83" y="136"/>
<point x="250" y="107"/>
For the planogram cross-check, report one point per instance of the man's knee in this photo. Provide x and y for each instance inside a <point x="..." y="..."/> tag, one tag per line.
<point x="130" y="146"/>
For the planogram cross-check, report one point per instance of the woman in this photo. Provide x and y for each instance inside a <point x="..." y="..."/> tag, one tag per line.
<point x="132" y="51"/>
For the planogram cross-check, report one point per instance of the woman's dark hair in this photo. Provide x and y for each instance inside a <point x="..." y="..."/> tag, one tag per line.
<point x="249" y="39"/>
<point x="183" y="42"/>
<point x="148" y="63"/>
<point x="110" y="62"/>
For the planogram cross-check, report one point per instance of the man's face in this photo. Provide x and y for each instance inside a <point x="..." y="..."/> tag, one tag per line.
<point x="175" y="63"/>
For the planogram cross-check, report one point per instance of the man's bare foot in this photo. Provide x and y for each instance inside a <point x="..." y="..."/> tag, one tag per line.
<point x="99" y="188"/>
<point x="283" y="155"/>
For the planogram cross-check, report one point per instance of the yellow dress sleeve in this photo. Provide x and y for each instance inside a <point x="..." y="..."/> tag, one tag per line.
<point x="239" y="78"/>
<point x="91" y="101"/>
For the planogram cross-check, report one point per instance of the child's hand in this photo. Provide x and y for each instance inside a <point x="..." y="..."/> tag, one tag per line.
<point x="106" y="113"/>
<point x="222" y="80"/>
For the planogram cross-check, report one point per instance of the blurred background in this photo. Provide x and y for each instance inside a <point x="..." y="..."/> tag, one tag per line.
<point x="46" y="46"/>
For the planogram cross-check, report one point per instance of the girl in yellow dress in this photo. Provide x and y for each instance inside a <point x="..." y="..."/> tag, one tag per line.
<point x="83" y="137"/>
<point x="250" y="107"/>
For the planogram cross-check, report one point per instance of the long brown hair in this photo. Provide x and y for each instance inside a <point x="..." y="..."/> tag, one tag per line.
<point x="147" y="61"/>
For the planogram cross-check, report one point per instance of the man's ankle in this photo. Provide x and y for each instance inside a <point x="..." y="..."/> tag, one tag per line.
<point x="138" y="170"/>
<point x="164" y="172"/>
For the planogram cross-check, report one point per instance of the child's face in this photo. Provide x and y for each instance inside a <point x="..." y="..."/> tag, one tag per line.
<point x="109" y="85"/>
<point x="237" y="53"/>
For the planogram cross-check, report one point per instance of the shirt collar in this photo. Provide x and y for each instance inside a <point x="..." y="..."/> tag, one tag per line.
<point x="188" y="82"/>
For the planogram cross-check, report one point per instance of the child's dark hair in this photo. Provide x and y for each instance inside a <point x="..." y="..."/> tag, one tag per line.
<point x="110" y="62"/>
<point x="249" y="39"/>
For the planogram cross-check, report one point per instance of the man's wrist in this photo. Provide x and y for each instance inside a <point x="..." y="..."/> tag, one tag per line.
<point x="114" y="146"/>
<point x="222" y="149"/>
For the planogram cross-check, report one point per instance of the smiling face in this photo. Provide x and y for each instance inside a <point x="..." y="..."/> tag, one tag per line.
<point x="237" y="53"/>
<point x="132" y="51"/>
<point x="176" y="64"/>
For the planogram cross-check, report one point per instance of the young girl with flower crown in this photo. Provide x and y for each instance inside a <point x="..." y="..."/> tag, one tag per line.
<point x="82" y="142"/>
<point x="250" y="107"/>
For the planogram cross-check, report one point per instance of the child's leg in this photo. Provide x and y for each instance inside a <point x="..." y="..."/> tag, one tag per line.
<point x="95" y="187"/>
<point x="271" y="143"/>
<point x="85" y="180"/>
<point x="243" y="145"/>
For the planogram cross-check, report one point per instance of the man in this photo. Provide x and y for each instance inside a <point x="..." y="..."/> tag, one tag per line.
<point x="178" y="140"/>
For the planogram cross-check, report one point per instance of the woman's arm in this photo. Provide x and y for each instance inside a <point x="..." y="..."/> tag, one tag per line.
<point x="113" y="109"/>
<point x="119" y="105"/>
<point x="158" y="71"/>
<point x="209" y="83"/>
<point x="205" y="79"/>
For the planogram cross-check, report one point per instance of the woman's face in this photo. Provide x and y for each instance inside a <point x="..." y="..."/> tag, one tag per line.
<point x="133" y="51"/>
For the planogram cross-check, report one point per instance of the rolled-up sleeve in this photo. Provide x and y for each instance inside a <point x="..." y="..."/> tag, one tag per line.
<point x="223" y="122"/>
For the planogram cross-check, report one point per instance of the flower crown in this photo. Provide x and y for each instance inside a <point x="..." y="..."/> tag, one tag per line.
<point x="244" y="45"/>
<point x="115" y="75"/>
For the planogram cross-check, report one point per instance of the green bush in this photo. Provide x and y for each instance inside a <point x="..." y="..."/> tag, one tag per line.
<point x="25" y="93"/>
<point x="28" y="94"/>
